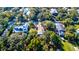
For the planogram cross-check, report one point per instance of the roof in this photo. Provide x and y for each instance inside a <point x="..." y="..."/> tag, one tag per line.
<point x="59" y="26"/>
<point x="53" y="11"/>
<point x="26" y="11"/>
<point x="22" y="28"/>
<point x="40" y="28"/>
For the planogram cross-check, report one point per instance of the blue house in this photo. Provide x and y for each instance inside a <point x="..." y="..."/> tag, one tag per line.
<point x="22" y="28"/>
<point x="60" y="29"/>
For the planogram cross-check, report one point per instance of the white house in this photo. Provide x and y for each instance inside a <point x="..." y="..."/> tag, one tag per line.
<point x="60" y="28"/>
<point x="53" y="10"/>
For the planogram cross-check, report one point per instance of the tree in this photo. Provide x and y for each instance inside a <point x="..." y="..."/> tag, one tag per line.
<point x="70" y="28"/>
<point x="10" y="31"/>
<point x="70" y="36"/>
<point x="72" y="13"/>
<point x="31" y="25"/>
<point x="4" y="22"/>
<point x="16" y="41"/>
<point x="35" y="45"/>
<point x="61" y="10"/>
<point x="52" y="38"/>
<point x="44" y="15"/>
<point x="67" y="21"/>
<point x="7" y="14"/>
<point x="3" y="43"/>
<point x="33" y="14"/>
<point x="33" y="32"/>
<point x="49" y="25"/>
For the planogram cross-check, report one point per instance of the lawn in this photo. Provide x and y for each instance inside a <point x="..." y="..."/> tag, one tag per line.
<point x="68" y="46"/>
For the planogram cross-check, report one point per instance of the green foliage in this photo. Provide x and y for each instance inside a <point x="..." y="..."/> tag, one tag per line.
<point x="67" y="21"/>
<point x="49" y="25"/>
<point x="10" y="31"/>
<point x="68" y="46"/>
<point x="32" y="32"/>
<point x="4" y="21"/>
<point x="33" y="14"/>
<point x="7" y="14"/>
<point x="73" y="13"/>
<point x="31" y="25"/>
<point x="44" y="14"/>
<point x="49" y="40"/>
<point x="70" y="28"/>
<point x="52" y="37"/>
<point x="34" y="44"/>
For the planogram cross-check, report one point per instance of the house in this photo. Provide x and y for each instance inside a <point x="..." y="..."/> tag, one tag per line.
<point x="54" y="12"/>
<point x="60" y="29"/>
<point x="22" y="28"/>
<point x="40" y="29"/>
<point x="26" y="11"/>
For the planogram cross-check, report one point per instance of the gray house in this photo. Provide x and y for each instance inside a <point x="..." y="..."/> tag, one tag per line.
<point x="60" y="29"/>
<point x="54" y="11"/>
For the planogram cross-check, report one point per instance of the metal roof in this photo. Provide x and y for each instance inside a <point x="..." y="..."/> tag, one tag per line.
<point x="53" y="11"/>
<point x="22" y="27"/>
<point x="59" y="26"/>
